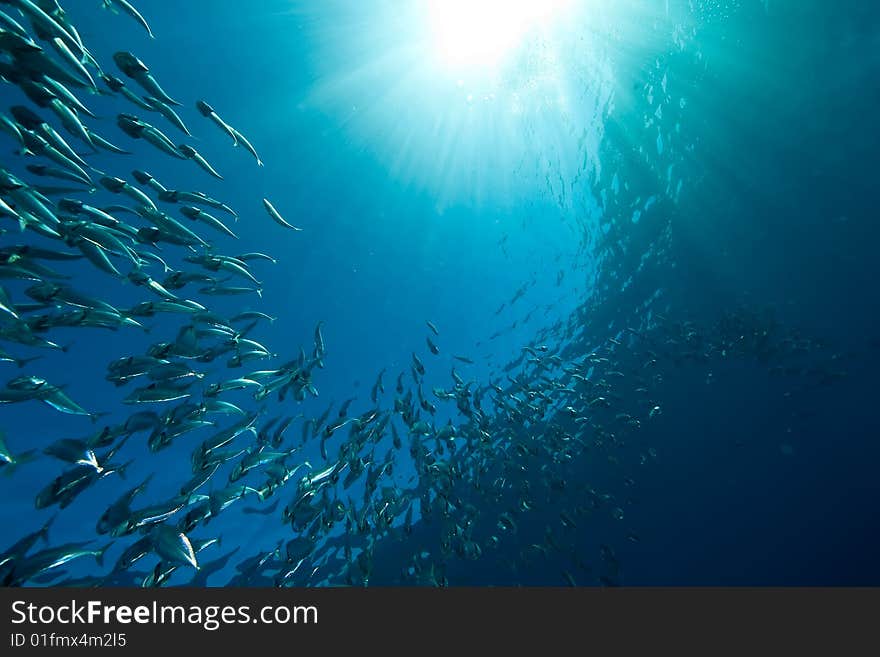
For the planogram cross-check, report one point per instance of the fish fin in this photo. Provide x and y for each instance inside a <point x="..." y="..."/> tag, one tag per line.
<point x="123" y="468"/>
<point x="146" y="481"/>
<point x="44" y="530"/>
<point x="96" y="416"/>
<point x="100" y="556"/>
<point x="21" y="362"/>
<point x="26" y="457"/>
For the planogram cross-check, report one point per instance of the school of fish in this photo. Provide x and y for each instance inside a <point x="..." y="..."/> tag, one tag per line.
<point x="485" y="463"/>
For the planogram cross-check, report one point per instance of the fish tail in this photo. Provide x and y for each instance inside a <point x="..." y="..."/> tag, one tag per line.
<point x="99" y="556"/>
<point x="96" y="416"/>
<point x="21" y="362"/>
<point x="44" y="530"/>
<point x="122" y="469"/>
<point x="26" y="457"/>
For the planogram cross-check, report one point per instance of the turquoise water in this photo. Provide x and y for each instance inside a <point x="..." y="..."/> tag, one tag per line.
<point x="672" y="200"/>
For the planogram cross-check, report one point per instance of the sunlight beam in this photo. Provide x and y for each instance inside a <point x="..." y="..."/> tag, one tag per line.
<point x="480" y="33"/>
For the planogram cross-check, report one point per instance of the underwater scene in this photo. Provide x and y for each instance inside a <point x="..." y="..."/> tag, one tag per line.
<point x="310" y="293"/>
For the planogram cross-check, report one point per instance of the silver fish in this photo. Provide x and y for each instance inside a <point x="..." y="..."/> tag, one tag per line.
<point x="276" y="216"/>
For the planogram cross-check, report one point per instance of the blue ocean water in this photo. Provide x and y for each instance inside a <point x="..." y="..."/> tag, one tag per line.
<point x="685" y="184"/>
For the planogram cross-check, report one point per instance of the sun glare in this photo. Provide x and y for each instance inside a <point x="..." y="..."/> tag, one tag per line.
<point x="480" y="33"/>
